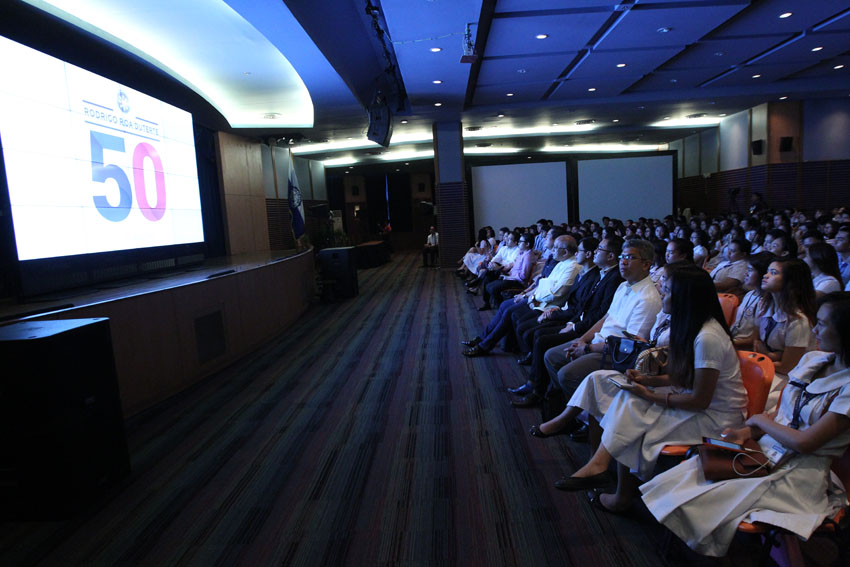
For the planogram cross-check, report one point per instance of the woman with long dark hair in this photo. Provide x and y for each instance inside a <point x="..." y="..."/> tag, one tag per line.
<point x="701" y="392"/>
<point x="823" y="261"/>
<point x="811" y="428"/>
<point x="786" y="317"/>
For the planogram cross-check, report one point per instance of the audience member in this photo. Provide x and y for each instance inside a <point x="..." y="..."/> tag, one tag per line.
<point x="744" y="327"/>
<point x="432" y="248"/>
<point x="823" y="262"/>
<point x="730" y="273"/>
<point x="516" y="277"/>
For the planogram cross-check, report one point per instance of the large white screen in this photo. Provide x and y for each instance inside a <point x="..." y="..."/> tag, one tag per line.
<point x="625" y="188"/>
<point x="92" y="165"/>
<point x="519" y="194"/>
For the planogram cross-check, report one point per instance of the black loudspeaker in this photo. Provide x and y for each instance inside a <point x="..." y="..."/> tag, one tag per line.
<point x="786" y="143"/>
<point x="339" y="265"/>
<point x="757" y="147"/>
<point x="380" y="121"/>
<point x="61" y="426"/>
<point x="320" y="211"/>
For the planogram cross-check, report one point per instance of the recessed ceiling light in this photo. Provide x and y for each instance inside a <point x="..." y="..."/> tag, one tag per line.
<point x="500" y="116"/>
<point x="722" y="114"/>
<point x="664" y="30"/>
<point x="591" y="89"/>
<point x="756" y="76"/>
<point x="783" y="97"/>
<point x="719" y="53"/>
<point x="674" y="80"/>
<point x="436" y="49"/>
<point x="818" y="48"/>
<point x="666" y="118"/>
<point x="438" y="104"/>
<point x="621" y="65"/>
<point x="542" y="35"/>
<point x="404" y="121"/>
<point x="407" y="163"/>
<point x="349" y="138"/>
<point x="437" y="82"/>
<point x="785" y="15"/>
<point x="509" y="94"/>
<point x="397" y="169"/>
<point x="521" y="71"/>
<point x="554" y="123"/>
<point x="616" y="120"/>
<point x="838" y="67"/>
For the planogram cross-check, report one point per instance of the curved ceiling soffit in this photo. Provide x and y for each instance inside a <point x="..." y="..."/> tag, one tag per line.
<point x="207" y="46"/>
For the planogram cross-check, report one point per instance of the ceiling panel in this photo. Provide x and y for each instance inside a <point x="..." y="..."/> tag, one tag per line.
<point x="524" y="5"/>
<point x="827" y="69"/>
<point x="638" y="62"/>
<point x="523" y="70"/>
<point x="495" y="95"/>
<point x="745" y="76"/>
<point x="579" y="88"/>
<point x="676" y="80"/>
<point x="801" y="50"/>
<point x="763" y="17"/>
<point x="639" y="28"/>
<point x="512" y="36"/>
<point x="723" y="53"/>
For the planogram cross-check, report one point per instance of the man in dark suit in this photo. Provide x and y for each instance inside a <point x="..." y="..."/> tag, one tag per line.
<point x="571" y="322"/>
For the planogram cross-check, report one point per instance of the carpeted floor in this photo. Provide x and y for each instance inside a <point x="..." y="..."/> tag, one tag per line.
<point x="360" y="437"/>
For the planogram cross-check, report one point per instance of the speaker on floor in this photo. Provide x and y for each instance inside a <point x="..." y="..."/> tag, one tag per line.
<point x="61" y="425"/>
<point x="339" y="265"/>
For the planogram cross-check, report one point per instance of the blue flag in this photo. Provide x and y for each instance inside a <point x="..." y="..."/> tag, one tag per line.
<point x="296" y="207"/>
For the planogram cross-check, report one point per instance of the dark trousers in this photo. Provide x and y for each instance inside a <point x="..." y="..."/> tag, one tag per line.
<point x="500" y="326"/>
<point x="544" y="339"/>
<point x="493" y="290"/>
<point x="430" y="252"/>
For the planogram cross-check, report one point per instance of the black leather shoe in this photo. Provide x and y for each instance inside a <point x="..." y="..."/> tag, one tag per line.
<point x="526" y="388"/>
<point x="525" y="360"/>
<point x="485" y="307"/>
<point x="475" y="351"/>
<point x="581" y="434"/>
<point x="471" y="342"/>
<point x="574" y="483"/>
<point x="529" y="401"/>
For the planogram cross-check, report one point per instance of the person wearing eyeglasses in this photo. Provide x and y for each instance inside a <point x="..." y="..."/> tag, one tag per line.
<point x="634" y="309"/>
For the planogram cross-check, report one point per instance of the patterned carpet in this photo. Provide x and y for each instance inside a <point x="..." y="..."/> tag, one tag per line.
<point x="360" y="437"/>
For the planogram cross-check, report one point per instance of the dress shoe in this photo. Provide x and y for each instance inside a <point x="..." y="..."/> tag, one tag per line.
<point x="471" y="342"/>
<point x="581" y="434"/>
<point x="475" y="351"/>
<point x="525" y="360"/>
<point x="485" y="307"/>
<point x="566" y="430"/>
<point x="575" y="483"/>
<point x="526" y="388"/>
<point x="529" y="401"/>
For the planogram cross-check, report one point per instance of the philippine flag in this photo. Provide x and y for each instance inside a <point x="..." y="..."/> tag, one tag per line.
<point x="296" y="207"/>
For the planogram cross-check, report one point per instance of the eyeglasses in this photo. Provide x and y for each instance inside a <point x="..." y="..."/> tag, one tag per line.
<point x="628" y="257"/>
<point x="603" y="249"/>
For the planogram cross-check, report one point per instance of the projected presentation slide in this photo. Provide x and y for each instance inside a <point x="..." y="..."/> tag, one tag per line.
<point x="92" y="165"/>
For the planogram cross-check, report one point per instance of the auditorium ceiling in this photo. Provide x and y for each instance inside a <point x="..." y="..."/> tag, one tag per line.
<point x="539" y="75"/>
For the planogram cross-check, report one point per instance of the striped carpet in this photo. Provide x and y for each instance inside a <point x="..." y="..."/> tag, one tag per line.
<point x="360" y="437"/>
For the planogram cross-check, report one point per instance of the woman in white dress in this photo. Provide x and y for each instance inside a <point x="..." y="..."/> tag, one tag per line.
<point x="786" y="315"/>
<point x="797" y="495"/>
<point x="823" y="261"/>
<point x="744" y="327"/>
<point x="701" y="392"/>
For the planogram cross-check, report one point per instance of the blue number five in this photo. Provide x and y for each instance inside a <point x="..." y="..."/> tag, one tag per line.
<point x="100" y="173"/>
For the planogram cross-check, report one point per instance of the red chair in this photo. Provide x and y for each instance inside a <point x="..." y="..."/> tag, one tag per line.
<point x="729" y="304"/>
<point x="757" y="374"/>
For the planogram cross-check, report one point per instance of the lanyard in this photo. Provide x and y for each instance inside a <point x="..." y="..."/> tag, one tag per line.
<point x="804" y="398"/>
<point x="660" y="329"/>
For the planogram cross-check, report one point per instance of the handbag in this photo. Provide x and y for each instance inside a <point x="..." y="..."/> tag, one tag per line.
<point x="621" y="354"/>
<point x="719" y="463"/>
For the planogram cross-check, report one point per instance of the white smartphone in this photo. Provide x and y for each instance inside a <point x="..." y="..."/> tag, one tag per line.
<point x="620" y="382"/>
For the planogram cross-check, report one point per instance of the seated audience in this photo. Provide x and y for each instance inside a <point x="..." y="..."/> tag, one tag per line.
<point x="730" y="273"/>
<point x="797" y="496"/>
<point x="781" y="244"/>
<point x="823" y="262"/>
<point x="842" y="248"/>
<point x="501" y="263"/>
<point x="700" y="393"/>
<point x="516" y="277"/>
<point x="744" y="327"/>
<point x="786" y="315"/>
<point x="679" y="250"/>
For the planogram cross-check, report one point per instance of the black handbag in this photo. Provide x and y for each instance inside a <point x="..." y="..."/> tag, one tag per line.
<point x="621" y="354"/>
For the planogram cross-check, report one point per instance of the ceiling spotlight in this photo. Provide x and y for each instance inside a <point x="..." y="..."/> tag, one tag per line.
<point x="436" y="49"/>
<point x="404" y="121"/>
<point x="621" y="65"/>
<point x="664" y="30"/>
<point x="756" y="76"/>
<point x="666" y="118"/>
<point x="722" y="114"/>
<point x="674" y="80"/>
<point x="818" y="48"/>
<point x="838" y="67"/>
<point x="554" y="123"/>
<point x="438" y="104"/>
<point x="509" y="94"/>
<point x="521" y="71"/>
<point x="783" y="97"/>
<point x="407" y="163"/>
<point x="500" y="116"/>
<point x="437" y="82"/>
<point x="719" y="53"/>
<point x="591" y="89"/>
<point x="785" y="15"/>
<point x="542" y="35"/>
<point x="616" y="120"/>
